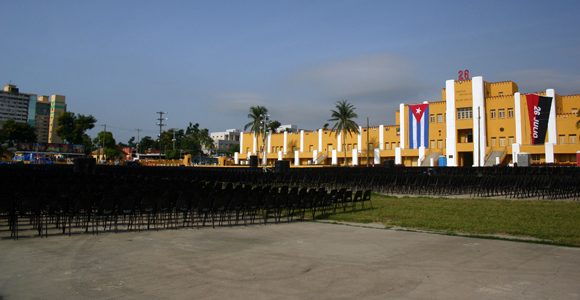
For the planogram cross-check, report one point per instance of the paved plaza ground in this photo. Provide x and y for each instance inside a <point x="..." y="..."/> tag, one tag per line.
<point x="299" y="260"/>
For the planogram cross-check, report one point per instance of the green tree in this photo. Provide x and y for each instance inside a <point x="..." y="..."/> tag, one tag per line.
<point x="16" y="132"/>
<point x="343" y="116"/>
<point x="578" y="122"/>
<point x="110" y="145"/>
<point x="89" y="145"/>
<point x="131" y="143"/>
<point x="71" y="127"/>
<point x="325" y="126"/>
<point x="273" y="126"/>
<point x="256" y="125"/>
<point x="233" y="149"/>
<point x="195" y="139"/>
<point x="146" y="143"/>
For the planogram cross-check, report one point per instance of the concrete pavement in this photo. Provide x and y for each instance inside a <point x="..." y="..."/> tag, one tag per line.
<point x="306" y="260"/>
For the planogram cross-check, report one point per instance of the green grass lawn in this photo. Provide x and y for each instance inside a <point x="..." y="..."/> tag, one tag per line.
<point x="555" y="221"/>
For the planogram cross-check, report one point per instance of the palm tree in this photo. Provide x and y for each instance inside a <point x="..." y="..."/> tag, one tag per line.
<point x="256" y="114"/>
<point x="343" y="116"/>
<point x="578" y="123"/>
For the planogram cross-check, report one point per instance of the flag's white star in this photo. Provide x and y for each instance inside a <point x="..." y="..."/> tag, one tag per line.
<point x="418" y="110"/>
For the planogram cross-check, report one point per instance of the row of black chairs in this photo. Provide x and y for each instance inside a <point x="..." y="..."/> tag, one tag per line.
<point x="516" y="182"/>
<point x="150" y="207"/>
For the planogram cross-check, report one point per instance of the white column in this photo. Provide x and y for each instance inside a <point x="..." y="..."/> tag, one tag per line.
<point x="320" y="140"/>
<point x="296" y="158"/>
<point x="280" y="155"/>
<point x="285" y="142"/>
<point x="518" y="120"/>
<point x="398" y="155"/>
<point x="403" y="125"/>
<point x="339" y="141"/>
<point x="254" y="149"/>
<point x="479" y="133"/>
<point x="269" y="142"/>
<point x="354" y="157"/>
<point x="241" y="142"/>
<point x="359" y="141"/>
<point x="314" y="157"/>
<point x="421" y="154"/>
<point x="334" y="157"/>
<point x="382" y="137"/>
<point x="549" y="152"/>
<point x="515" y="152"/>
<point x="451" y="138"/>
<point x="236" y="160"/>
<point x="301" y="140"/>
<point x="377" y="154"/>
<point x="552" y="132"/>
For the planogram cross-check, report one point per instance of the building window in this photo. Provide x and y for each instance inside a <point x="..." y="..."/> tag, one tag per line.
<point x="573" y="158"/>
<point x="354" y="146"/>
<point x="432" y="118"/>
<point x="572" y="139"/>
<point x="501" y="113"/>
<point x="502" y="141"/>
<point x="492" y="114"/>
<point x="511" y="140"/>
<point x="247" y="149"/>
<point x="535" y="157"/>
<point x="311" y="148"/>
<point x="349" y="147"/>
<point x="562" y="139"/>
<point x="574" y="110"/>
<point x="493" y="142"/>
<point x="439" y="118"/>
<point x="464" y="113"/>
<point x="440" y="144"/>
<point x="432" y="144"/>
<point x="293" y="148"/>
<point x="393" y="145"/>
<point x="371" y="146"/>
<point x="387" y="146"/>
<point x="510" y="112"/>
<point x="563" y="157"/>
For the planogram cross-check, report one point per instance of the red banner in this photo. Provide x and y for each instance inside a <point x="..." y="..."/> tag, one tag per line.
<point x="538" y="112"/>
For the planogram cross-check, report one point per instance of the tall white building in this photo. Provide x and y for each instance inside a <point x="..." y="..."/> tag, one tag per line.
<point x="224" y="140"/>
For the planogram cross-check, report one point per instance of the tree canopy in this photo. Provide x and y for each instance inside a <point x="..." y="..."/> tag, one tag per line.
<point x="71" y="127"/>
<point x="16" y="132"/>
<point x="110" y="145"/>
<point x="343" y="116"/>
<point x="256" y="115"/>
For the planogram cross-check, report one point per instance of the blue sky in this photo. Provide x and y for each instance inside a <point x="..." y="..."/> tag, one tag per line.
<point x="207" y="62"/>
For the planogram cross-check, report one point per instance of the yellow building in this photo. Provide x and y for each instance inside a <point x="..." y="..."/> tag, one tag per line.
<point x="57" y="108"/>
<point x="477" y="123"/>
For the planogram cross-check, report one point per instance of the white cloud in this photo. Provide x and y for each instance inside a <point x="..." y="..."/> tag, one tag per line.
<point x="236" y="103"/>
<point x="373" y="78"/>
<point x="538" y="80"/>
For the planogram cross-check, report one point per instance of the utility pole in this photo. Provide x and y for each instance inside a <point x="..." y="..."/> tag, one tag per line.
<point x="173" y="139"/>
<point x="160" y="124"/>
<point x="104" y="137"/>
<point x="138" y="130"/>
<point x="368" y="142"/>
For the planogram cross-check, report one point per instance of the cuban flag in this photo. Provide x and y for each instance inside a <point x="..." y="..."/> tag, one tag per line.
<point x="418" y="126"/>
